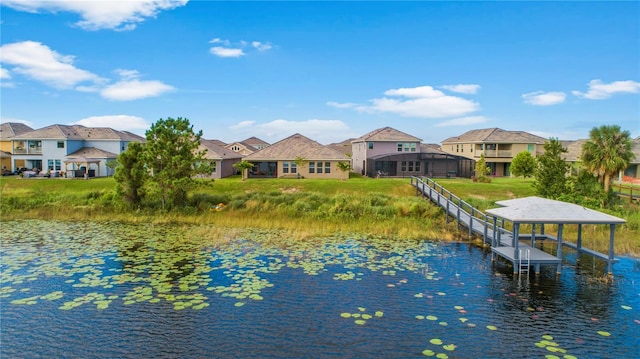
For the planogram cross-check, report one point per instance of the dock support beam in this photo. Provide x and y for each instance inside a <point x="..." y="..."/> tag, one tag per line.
<point x="612" y="230"/>
<point x="559" y="254"/>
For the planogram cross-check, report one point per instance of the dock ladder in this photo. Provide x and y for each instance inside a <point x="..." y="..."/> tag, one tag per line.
<point x="524" y="260"/>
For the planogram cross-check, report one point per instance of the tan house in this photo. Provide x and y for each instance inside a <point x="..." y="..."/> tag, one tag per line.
<point x="279" y="160"/>
<point x="498" y="146"/>
<point x="244" y="149"/>
<point x="255" y="142"/>
<point x="630" y="174"/>
<point x="8" y="130"/>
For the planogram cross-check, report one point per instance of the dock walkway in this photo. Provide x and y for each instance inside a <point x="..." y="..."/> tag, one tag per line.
<point x="503" y="242"/>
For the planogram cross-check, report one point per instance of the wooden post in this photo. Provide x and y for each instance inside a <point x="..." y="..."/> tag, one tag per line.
<point x="559" y="253"/>
<point x="471" y="223"/>
<point x="579" y="240"/>
<point x="612" y="229"/>
<point x="516" y="251"/>
<point x="486" y="228"/>
<point x="533" y="235"/>
<point x="495" y="232"/>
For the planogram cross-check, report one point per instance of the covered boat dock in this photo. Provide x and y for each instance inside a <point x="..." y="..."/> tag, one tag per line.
<point x="540" y="211"/>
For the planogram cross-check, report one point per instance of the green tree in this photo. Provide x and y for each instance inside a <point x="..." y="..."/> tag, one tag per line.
<point x="344" y="166"/>
<point x="550" y="177"/>
<point x="244" y="166"/>
<point x="131" y="174"/>
<point x="482" y="170"/>
<point x="111" y="165"/>
<point x="523" y="164"/>
<point x="607" y="151"/>
<point x="300" y="163"/>
<point x="174" y="157"/>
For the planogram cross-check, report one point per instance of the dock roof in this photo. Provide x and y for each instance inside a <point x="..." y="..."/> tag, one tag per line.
<point x="543" y="210"/>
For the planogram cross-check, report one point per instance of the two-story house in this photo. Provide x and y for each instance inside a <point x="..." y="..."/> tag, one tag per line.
<point x="386" y="151"/>
<point x="498" y="146"/>
<point x="7" y="131"/>
<point x="71" y="149"/>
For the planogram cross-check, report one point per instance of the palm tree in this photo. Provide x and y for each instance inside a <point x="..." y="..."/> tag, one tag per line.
<point x="608" y="151"/>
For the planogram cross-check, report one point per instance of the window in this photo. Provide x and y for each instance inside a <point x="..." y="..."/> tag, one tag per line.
<point x="370" y="144"/>
<point x="410" y="166"/>
<point x="319" y="167"/>
<point x="457" y="148"/>
<point x="289" y="167"/>
<point x="60" y="144"/>
<point x="235" y="148"/>
<point x="327" y="167"/>
<point x="462" y="148"/>
<point x="403" y="166"/>
<point x="312" y="167"/>
<point x="54" y="165"/>
<point x="214" y="167"/>
<point x="418" y="166"/>
<point x="407" y="147"/>
<point x="530" y="147"/>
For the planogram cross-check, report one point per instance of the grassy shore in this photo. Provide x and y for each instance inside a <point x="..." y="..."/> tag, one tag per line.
<point x="302" y="208"/>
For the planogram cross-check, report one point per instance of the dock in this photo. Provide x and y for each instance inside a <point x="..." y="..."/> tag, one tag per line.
<point x="511" y="245"/>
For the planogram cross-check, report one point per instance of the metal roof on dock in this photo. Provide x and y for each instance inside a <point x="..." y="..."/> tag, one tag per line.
<point x="543" y="210"/>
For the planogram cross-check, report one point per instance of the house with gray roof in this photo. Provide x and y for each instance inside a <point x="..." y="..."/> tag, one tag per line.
<point x="498" y="146"/>
<point x="220" y="158"/>
<point x="58" y="147"/>
<point x="279" y="160"/>
<point x="630" y="174"/>
<point x="390" y="152"/>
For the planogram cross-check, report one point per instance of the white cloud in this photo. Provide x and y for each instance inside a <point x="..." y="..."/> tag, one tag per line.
<point x="4" y="73"/>
<point x="323" y="131"/>
<point x="97" y="14"/>
<point x="135" y="89"/>
<point x="226" y="51"/>
<point x="118" y="122"/>
<point x="463" y="121"/>
<point x="462" y="88"/>
<point x="599" y="91"/>
<point x="39" y="62"/>
<point x="261" y="46"/>
<point x="541" y="98"/>
<point x="341" y="105"/>
<point x="226" y="48"/>
<point x="420" y="102"/>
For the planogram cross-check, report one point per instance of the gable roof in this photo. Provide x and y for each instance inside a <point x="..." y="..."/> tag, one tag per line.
<point x="343" y="147"/>
<point x="91" y="152"/>
<point x="241" y="144"/>
<point x="294" y="146"/>
<point x="254" y="141"/>
<point x="10" y="129"/>
<point x="495" y="135"/>
<point x="387" y="134"/>
<point x="217" y="152"/>
<point x="79" y="132"/>
<point x="431" y="148"/>
<point x="217" y="142"/>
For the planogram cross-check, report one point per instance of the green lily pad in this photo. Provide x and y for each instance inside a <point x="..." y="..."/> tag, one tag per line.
<point x="360" y="321"/>
<point x="625" y="307"/>
<point x="431" y="317"/>
<point x="449" y="347"/>
<point x="547" y="337"/>
<point x="345" y="315"/>
<point x="442" y="356"/>
<point x="604" y="334"/>
<point x="379" y="313"/>
<point x="428" y="352"/>
<point x="435" y="341"/>
<point x="492" y="327"/>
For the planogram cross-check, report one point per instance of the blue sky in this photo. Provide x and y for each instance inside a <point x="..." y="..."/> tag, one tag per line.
<point x="328" y="70"/>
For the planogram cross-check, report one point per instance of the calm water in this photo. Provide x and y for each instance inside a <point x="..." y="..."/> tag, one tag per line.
<point x="82" y="290"/>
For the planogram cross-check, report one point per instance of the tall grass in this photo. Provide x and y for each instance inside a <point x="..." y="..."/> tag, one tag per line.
<point x="309" y="208"/>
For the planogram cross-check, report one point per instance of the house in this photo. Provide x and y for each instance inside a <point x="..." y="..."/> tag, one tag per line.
<point x="242" y="148"/>
<point x="343" y="147"/>
<point x="71" y="148"/>
<point x="255" y="142"/>
<point x="279" y="160"/>
<point x="630" y="174"/>
<point x="389" y="152"/>
<point x="498" y="146"/>
<point x="7" y="131"/>
<point x="221" y="159"/>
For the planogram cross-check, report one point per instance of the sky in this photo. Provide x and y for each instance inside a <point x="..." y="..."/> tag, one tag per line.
<point x="328" y="70"/>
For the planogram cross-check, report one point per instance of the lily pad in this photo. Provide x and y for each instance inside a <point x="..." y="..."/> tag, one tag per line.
<point x="360" y="321"/>
<point x="428" y="352"/>
<point x="345" y="315"/>
<point x="492" y="327"/>
<point x="604" y="334"/>
<point x="435" y="341"/>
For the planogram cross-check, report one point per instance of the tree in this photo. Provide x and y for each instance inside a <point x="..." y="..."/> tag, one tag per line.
<point x="482" y="170"/>
<point x="344" y="166"/>
<point x="131" y="174"/>
<point x="243" y="166"/>
<point x="608" y="151"/>
<point x="523" y="164"/>
<point x="550" y="176"/>
<point x="111" y="165"/>
<point x="300" y="163"/>
<point x="173" y="157"/>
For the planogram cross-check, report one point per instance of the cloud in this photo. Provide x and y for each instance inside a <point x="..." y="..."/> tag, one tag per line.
<point x="419" y="102"/>
<point x="261" y="46"/>
<point x="4" y="73"/>
<point x="463" y="121"/>
<point x="323" y="131"/>
<point x="127" y="90"/>
<point x="341" y="105"/>
<point x="225" y="48"/>
<point x="599" y="91"/>
<point x="39" y="62"/>
<point x="541" y="98"/>
<point x="99" y="15"/>
<point x="226" y="52"/>
<point x="118" y="122"/>
<point x="466" y="89"/>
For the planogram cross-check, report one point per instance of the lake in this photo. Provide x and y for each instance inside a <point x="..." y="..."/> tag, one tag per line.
<point x="106" y="290"/>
